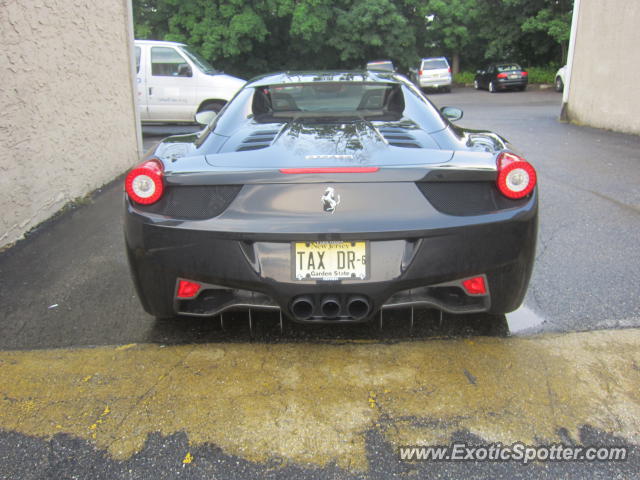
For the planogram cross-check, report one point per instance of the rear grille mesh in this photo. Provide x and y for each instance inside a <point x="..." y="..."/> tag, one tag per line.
<point x="467" y="198"/>
<point x="193" y="202"/>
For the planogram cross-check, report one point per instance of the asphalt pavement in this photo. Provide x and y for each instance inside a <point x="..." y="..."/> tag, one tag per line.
<point x="585" y="276"/>
<point x="93" y="387"/>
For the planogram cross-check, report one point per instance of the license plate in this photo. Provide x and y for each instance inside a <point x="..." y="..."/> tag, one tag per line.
<point x="514" y="76"/>
<point x="329" y="260"/>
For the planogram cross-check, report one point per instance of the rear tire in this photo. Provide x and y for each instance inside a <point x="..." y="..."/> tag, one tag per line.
<point x="492" y="87"/>
<point x="476" y="85"/>
<point x="523" y="88"/>
<point x="559" y="86"/>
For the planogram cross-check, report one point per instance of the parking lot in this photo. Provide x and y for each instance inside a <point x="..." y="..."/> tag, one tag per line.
<point x="94" y="387"/>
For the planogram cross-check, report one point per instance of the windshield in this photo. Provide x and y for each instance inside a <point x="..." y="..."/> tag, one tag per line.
<point x="328" y="99"/>
<point x="434" y="64"/>
<point x="508" y="67"/>
<point x="200" y="62"/>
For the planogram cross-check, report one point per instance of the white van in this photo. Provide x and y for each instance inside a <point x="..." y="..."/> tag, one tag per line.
<point x="175" y="83"/>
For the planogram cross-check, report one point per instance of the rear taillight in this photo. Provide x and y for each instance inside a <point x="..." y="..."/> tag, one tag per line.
<point x="501" y="75"/>
<point x="524" y="74"/>
<point x="144" y="183"/>
<point x="449" y="69"/>
<point x="420" y="72"/>
<point x="188" y="289"/>
<point x="516" y="177"/>
<point x="475" y="286"/>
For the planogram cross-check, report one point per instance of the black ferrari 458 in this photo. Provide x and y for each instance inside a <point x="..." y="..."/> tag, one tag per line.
<point x="331" y="196"/>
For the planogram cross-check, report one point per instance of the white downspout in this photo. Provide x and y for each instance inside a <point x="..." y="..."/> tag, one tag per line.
<point x="132" y="67"/>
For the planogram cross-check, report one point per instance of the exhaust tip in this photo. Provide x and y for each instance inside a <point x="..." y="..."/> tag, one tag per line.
<point x="302" y="308"/>
<point x="330" y="307"/>
<point x="358" y="307"/>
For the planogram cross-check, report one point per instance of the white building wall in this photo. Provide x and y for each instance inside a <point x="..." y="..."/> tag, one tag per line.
<point x="67" y="108"/>
<point x="603" y="90"/>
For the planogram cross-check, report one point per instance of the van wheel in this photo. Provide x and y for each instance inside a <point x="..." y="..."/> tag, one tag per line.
<point x="212" y="106"/>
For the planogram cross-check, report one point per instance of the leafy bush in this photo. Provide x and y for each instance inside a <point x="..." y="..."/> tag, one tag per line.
<point x="464" y="77"/>
<point x="542" y="74"/>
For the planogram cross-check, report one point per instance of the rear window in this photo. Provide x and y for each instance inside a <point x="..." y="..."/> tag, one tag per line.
<point x="328" y="98"/>
<point x="435" y="63"/>
<point x="508" y="67"/>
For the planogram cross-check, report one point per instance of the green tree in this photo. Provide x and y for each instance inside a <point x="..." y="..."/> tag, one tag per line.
<point x="450" y="26"/>
<point x="369" y="29"/>
<point x="509" y="32"/>
<point x="554" y="20"/>
<point x="247" y="37"/>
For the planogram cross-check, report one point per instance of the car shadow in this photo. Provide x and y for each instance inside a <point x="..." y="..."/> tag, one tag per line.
<point x="265" y="327"/>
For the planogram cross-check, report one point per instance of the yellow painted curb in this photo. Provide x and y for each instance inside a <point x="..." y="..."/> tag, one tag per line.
<point x="313" y="403"/>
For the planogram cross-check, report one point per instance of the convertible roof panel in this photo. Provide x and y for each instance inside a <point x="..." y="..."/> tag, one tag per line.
<point x="358" y="76"/>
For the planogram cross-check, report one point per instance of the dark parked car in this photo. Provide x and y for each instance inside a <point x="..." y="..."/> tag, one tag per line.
<point x="502" y="76"/>
<point x="330" y="197"/>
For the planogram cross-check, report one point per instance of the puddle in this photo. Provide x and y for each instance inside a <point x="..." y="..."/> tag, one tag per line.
<point x="523" y="319"/>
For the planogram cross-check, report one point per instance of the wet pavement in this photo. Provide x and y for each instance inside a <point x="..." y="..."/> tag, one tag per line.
<point x="93" y="387"/>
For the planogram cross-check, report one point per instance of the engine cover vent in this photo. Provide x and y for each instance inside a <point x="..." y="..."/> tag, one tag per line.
<point x="257" y="140"/>
<point x="399" y="137"/>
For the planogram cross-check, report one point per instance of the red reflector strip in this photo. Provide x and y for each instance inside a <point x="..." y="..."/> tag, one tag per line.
<point x="330" y="170"/>
<point x="475" y="286"/>
<point x="187" y="289"/>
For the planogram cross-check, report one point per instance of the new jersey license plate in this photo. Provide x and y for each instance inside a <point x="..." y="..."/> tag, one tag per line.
<point x="330" y="260"/>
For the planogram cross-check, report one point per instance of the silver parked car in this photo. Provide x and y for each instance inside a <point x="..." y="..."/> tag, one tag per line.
<point x="381" y="66"/>
<point x="433" y="73"/>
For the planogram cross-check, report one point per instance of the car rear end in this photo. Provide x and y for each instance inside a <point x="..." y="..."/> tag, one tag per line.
<point x="328" y="201"/>
<point x="511" y="76"/>
<point x="434" y="73"/>
<point x="335" y="242"/>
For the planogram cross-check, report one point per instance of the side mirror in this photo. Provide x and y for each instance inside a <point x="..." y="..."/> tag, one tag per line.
<point x="205" y="117"/>
<point x="184" y="70"/>
<point x="452" y="113"/>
